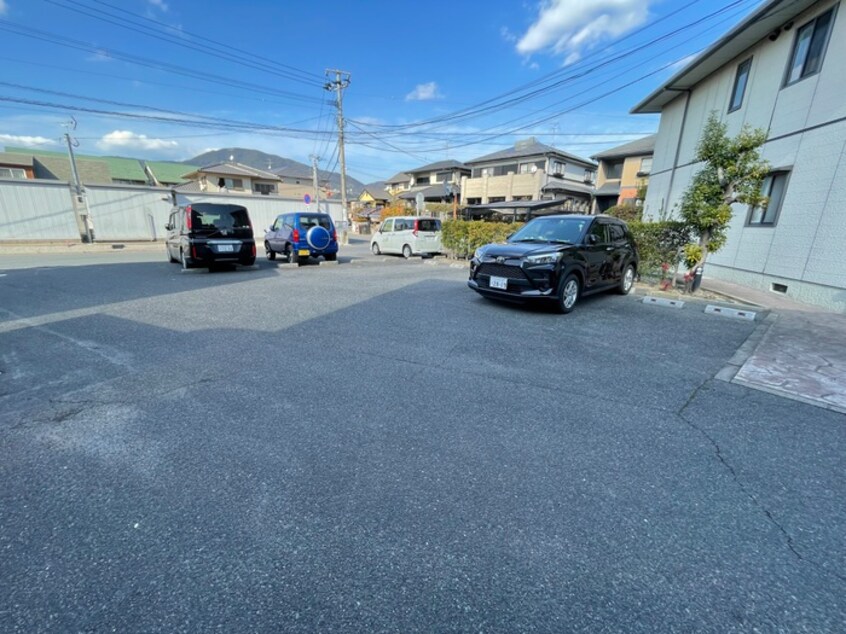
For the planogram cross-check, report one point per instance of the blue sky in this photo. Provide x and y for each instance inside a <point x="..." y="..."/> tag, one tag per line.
<point x="429" y="81"/>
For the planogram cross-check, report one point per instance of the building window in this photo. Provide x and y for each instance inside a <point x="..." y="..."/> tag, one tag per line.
<point x="614" y="170"/>
<point x="645" y="165"/>
<point x="774" y="188"/>
<point x="557" y="168"/>
<point x="740" y="81"/>
<point x="264" y="189"/>
<point x="487" y="171"/>
<point x="422" y="180"/>
<point x="589" y="176"/>
<point x="809" y="48"/>
<point x="12" y="172"/>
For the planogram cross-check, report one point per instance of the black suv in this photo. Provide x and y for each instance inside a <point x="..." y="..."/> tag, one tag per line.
<point x="558" y="259"/>
<point x="206" y="234"/>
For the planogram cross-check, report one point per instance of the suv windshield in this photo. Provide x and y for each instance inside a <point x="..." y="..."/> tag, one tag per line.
<point x="551" y="230"/>
<point x="314" y="220"/>
<point x="219" y="217"/>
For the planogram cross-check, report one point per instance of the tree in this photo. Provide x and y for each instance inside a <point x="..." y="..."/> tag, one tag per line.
<point x="733" y="173"/>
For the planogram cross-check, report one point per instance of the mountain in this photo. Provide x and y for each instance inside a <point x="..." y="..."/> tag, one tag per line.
<point x="263" y="161"/>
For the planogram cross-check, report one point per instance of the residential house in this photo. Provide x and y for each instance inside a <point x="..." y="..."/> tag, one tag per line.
<point x="530" y="171"/>
<point x="231" y="177"/>
<point x="623" y="174"/>
<point x="16" y="166"/>
<point x="297" y="181"/>
<point x="779" y="70"/>
<point x="374" y="194"/>
<point x="438" y="182"/>
<point x="398" y="183"/>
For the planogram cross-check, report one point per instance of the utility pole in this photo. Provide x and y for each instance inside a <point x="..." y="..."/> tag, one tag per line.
<point x="78" y="192"/>
<point x="315" y="181"/>
<point x="341" y="81"/>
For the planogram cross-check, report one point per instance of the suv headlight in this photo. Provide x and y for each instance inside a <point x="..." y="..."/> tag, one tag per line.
<point x="544" y="258"/>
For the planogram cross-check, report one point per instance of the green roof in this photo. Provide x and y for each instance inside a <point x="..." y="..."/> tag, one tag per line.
<point x="122" y="169"/>
<point x="170" y="173"/>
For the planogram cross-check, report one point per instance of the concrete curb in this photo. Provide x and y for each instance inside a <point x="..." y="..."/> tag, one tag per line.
<point x="79" y="247"/>
<point x="746" y="350"/>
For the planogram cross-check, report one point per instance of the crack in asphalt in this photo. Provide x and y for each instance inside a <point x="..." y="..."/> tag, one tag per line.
<point x="743" y="488"/>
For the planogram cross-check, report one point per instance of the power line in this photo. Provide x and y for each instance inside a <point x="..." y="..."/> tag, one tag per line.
<point x="146" y="62"/>
<point x="146" y="81"/>
<point x="496" y="104"/>
<point x="208" y="47"/>
<point x="227" y="45"/>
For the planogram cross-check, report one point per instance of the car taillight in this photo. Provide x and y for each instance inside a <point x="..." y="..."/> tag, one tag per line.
<point x="194" y="252"/>
<point x="295" y="235"/>
<point x="188" y="217"/>
<point x="334" y="235"/>
<point x="416" y="227"/>
<point x="253" y="250"/>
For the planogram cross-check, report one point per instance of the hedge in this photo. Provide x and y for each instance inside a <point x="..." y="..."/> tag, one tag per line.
<point x="462" y="237"/>
<point x="659" y="243"/>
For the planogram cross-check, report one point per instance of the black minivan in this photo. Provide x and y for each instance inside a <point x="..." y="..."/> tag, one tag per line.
<point x="207" y="234"/>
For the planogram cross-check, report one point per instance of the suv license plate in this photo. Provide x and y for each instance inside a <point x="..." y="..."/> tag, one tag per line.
<point x="304" y="252"/>
<point x="499" y="282"/>
<point x="225" y="248"/>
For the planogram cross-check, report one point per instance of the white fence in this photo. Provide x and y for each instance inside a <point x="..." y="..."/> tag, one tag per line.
<point x="42" y="210"/>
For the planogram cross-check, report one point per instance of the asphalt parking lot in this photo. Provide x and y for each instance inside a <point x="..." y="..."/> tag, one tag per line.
<point x="373" y="447"/>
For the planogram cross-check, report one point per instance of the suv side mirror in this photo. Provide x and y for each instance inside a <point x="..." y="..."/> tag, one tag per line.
<point x="592" y="239"/>
<point x="168" y="227"/>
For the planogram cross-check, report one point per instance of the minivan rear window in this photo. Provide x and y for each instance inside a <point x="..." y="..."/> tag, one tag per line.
<point x="219" y="217"/>
<point x="428" y="224"/>
<point x="309" y="221"/>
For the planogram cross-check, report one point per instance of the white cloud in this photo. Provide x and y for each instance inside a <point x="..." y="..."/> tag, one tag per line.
<point x="28" y="141"/>
<point x="570" y="27"/>
<point x="125" y="139"/>
<point x="159" y="4"/>
<point x="100" y="56"/>
<point x="507" y="35"/>
<point x="424" y="92"/>
<point x="3" y="7"/>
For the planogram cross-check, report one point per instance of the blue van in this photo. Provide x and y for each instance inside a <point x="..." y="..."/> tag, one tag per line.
<point x="298" y="236"/>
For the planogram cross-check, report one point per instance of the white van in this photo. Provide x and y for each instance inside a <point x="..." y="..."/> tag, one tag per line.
<point x="408" y="235"/>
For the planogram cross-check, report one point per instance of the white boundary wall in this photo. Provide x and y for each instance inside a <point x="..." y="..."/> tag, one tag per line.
<point x="33" y="210"/>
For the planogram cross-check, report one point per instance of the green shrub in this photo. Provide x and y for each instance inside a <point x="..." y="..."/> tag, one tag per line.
<point x="659" y="243"/>
<point x="628" y="213"/>
<point x="462" y="237"/>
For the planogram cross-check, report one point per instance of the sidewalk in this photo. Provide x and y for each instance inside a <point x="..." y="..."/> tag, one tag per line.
<point x="70" y="246"/>
<point x="801" y="351"/>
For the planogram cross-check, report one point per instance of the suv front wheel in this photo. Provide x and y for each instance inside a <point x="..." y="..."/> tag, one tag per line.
<point x="568" y="294"/>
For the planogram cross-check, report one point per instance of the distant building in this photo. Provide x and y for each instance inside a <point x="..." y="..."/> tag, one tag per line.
<point x="13" y="165"/>
<point x="530" y="171"/>
<point x="623" y="174"/>
<point x="231" y="177"/>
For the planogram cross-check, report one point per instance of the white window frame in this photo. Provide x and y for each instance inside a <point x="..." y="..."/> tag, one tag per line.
<point x="13" y="172"/>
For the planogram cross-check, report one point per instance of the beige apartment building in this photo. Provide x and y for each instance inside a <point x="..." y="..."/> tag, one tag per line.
<point x="530" y="171"/>
<point x="623" y="174"/>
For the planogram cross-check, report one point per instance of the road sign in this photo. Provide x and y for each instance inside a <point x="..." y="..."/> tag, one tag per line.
<point x="307" y="199"/>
